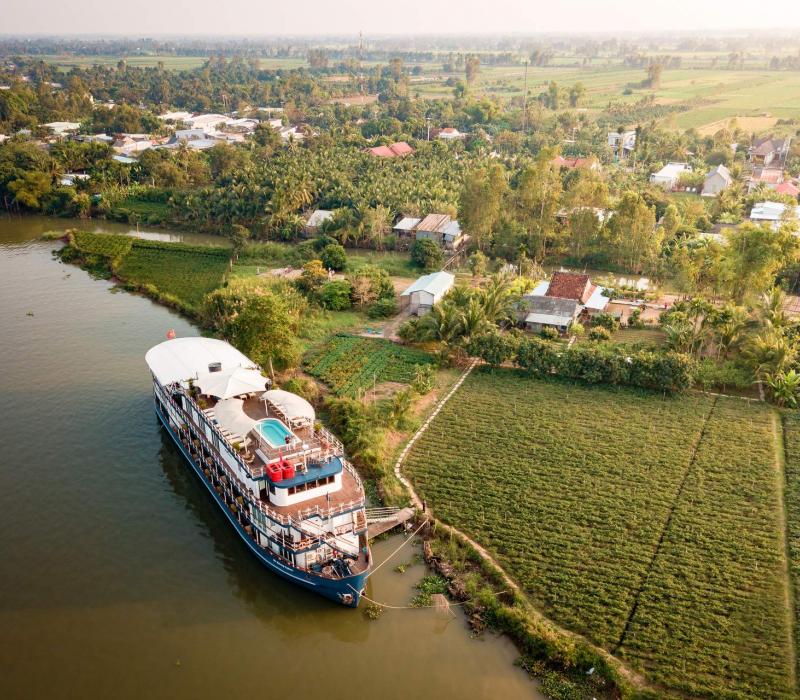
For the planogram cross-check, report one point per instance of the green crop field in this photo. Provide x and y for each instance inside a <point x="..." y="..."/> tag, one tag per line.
<point x="352" y="364"/>
<point x="650" y="525"/>
<point x="184" y="272"/>
<point x="791" y="435"/>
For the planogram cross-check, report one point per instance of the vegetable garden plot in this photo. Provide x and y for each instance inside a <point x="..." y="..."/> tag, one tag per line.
<point x="571" y="487"/>
<point x="568" y="485"/>
<point x="184" y="272"/>
<point x="351" y="364"/>
<point x="712" y="617"/>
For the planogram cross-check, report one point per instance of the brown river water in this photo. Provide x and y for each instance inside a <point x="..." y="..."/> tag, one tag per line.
<point x="118" y="576"/>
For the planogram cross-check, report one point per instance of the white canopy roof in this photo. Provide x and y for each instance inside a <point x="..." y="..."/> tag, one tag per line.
<point x="291" y="405"/>
<point x="230" y="415"/>
<point x="181" y="359"/>
<point x="229" y="383"/>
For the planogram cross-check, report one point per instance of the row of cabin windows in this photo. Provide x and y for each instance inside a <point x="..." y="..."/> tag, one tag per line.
<point x="311" y="485"/>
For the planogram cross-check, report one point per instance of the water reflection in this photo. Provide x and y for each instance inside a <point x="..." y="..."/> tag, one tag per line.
<point x="276" y="602"/>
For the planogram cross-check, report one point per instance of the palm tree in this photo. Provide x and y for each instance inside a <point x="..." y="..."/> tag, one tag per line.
<point x="772" y="307"/>
<point x="442" y="323"/>
<point x="496" y="299"/>
<point x="473" y="319"/>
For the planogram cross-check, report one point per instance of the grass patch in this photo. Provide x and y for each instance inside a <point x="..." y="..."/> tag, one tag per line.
<point x="351" y="364"/>
<point x="571" y="488"/>
<point x="791" y="435"/>
<point x="175" y="271"/>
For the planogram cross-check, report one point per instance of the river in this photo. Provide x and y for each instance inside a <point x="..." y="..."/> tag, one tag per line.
<point x="119" y="578"/>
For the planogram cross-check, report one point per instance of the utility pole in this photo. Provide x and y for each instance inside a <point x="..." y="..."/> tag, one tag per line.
<point x="428" y="124"/>
<point x="525" y="101"/>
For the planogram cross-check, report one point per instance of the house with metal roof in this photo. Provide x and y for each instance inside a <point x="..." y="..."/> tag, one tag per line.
<point x="669" y="175"/>
<point x="773" y="214"/>
<point x="716" y="180"/>
<point x="316" y="219"/>
<point x="406" y="227"/>
<point x="442" y="229"/>
<point x="538" y="312"/>
<point x="427" y="291"/>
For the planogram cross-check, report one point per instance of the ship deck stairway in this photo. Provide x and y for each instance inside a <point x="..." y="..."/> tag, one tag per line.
<point x="380" y="520"/>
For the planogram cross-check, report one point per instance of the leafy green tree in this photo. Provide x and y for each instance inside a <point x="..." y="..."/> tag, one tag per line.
<point x="480" y="205"/>
<point x="265" y="329"/>
<point x="477" y="263"/>
<point x="335" y="295"/>
<point x="753" y="257"/>
<point x="427" y="254"/>
<point x="334" y="257"/>
<point x="312" y="277"/>
<point x="632" y="235"/>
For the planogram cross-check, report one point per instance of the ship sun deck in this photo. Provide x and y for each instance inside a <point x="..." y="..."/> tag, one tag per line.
<point x="310" y="446"/>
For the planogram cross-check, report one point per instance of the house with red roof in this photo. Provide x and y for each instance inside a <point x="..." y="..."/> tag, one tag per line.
<point x="788" y="188"/>
<point x="571" y="163"/>
<point x="400" y="148"/>
<point x="559" y="301"/>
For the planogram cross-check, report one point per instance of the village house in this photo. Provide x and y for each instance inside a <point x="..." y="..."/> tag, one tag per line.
<point x="400" y="148"/>
<point x="420" y="297"/>
<point x="768" y="150"/>
<point x="590" y="163"/>
<point x="70" y="179"/>
<point x="406" y="227"/>
<point x="622" y="144"/>
<point x="442" y="229"/>
<point x="557" y="302"/>
<point x="535" y="313"/>
<point x="315" y="220"/>
<point x="774" y="214"/>
<point x="788" y="188"/>
<point x="175" y="116"/>
<point x="669" y="175"/>
<point x="63" y="128"/>
<point x="771" y="177"/>
<point x="716" y="180"/>
<point x="449" y="133"/>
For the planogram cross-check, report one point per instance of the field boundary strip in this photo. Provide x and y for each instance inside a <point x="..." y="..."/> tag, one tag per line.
<point x="415" y="499"/>
<point x="665" y="529"/>
<point x="792" y="584"/>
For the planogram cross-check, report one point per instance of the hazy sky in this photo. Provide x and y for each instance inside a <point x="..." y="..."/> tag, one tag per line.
<point x="151" y="17"/>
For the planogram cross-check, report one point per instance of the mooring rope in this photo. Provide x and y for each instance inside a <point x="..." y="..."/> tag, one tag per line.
<point x="403" y="544"/>
<point x="415" y="607"/>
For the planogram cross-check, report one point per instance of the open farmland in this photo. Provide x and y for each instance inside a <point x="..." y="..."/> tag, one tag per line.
<point x="791" y="436"/>
<point x="350" y="364"/>
<point x="185" y="272"/>
<point x="619" y="512"/>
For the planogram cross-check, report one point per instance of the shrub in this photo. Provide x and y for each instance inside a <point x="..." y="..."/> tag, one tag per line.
<point x="599" y="333"/>
<point x="383" y="308"/>
<point x="710" y="374"/>
<point x="424" y="378"/>
<point x="549" y="333"/>
<point x="427" y="254"/>
<point x="606" y="321"/>
<point x="333" y="256"/>
<point x="335" y="295"/>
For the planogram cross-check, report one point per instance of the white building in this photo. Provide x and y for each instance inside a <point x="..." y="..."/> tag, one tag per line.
<point x="62" y="128"/>
<point x="716" y="180"/>
<point x="175" y="116"/>
<point x="773" y="213"/>
<point x="668" y="176"/>
<point x="426" y="291"/>
<point x="624" y="142"/>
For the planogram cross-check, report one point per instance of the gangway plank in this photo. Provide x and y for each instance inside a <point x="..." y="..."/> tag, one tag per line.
<point x="388" y="521"/>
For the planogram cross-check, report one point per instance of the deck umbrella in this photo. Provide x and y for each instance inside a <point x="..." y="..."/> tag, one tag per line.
<point x="235" y="382"/>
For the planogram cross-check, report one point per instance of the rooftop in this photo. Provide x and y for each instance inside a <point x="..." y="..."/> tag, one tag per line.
<point x="570" y="285"/>
<point x="434" y="223"/>
<point x="435" y="283"/>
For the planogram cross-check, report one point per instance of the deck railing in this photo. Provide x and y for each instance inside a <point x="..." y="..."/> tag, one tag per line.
<point x="286" y="520"/>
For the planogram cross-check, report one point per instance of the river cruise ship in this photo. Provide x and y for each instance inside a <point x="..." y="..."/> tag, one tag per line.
<point x="280" y="478"/>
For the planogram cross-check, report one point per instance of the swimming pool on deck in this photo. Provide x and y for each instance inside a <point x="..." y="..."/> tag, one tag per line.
<point x="275" y="432"/>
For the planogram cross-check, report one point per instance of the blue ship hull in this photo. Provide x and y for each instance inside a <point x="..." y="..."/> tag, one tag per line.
<point x="345" y="591"/>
